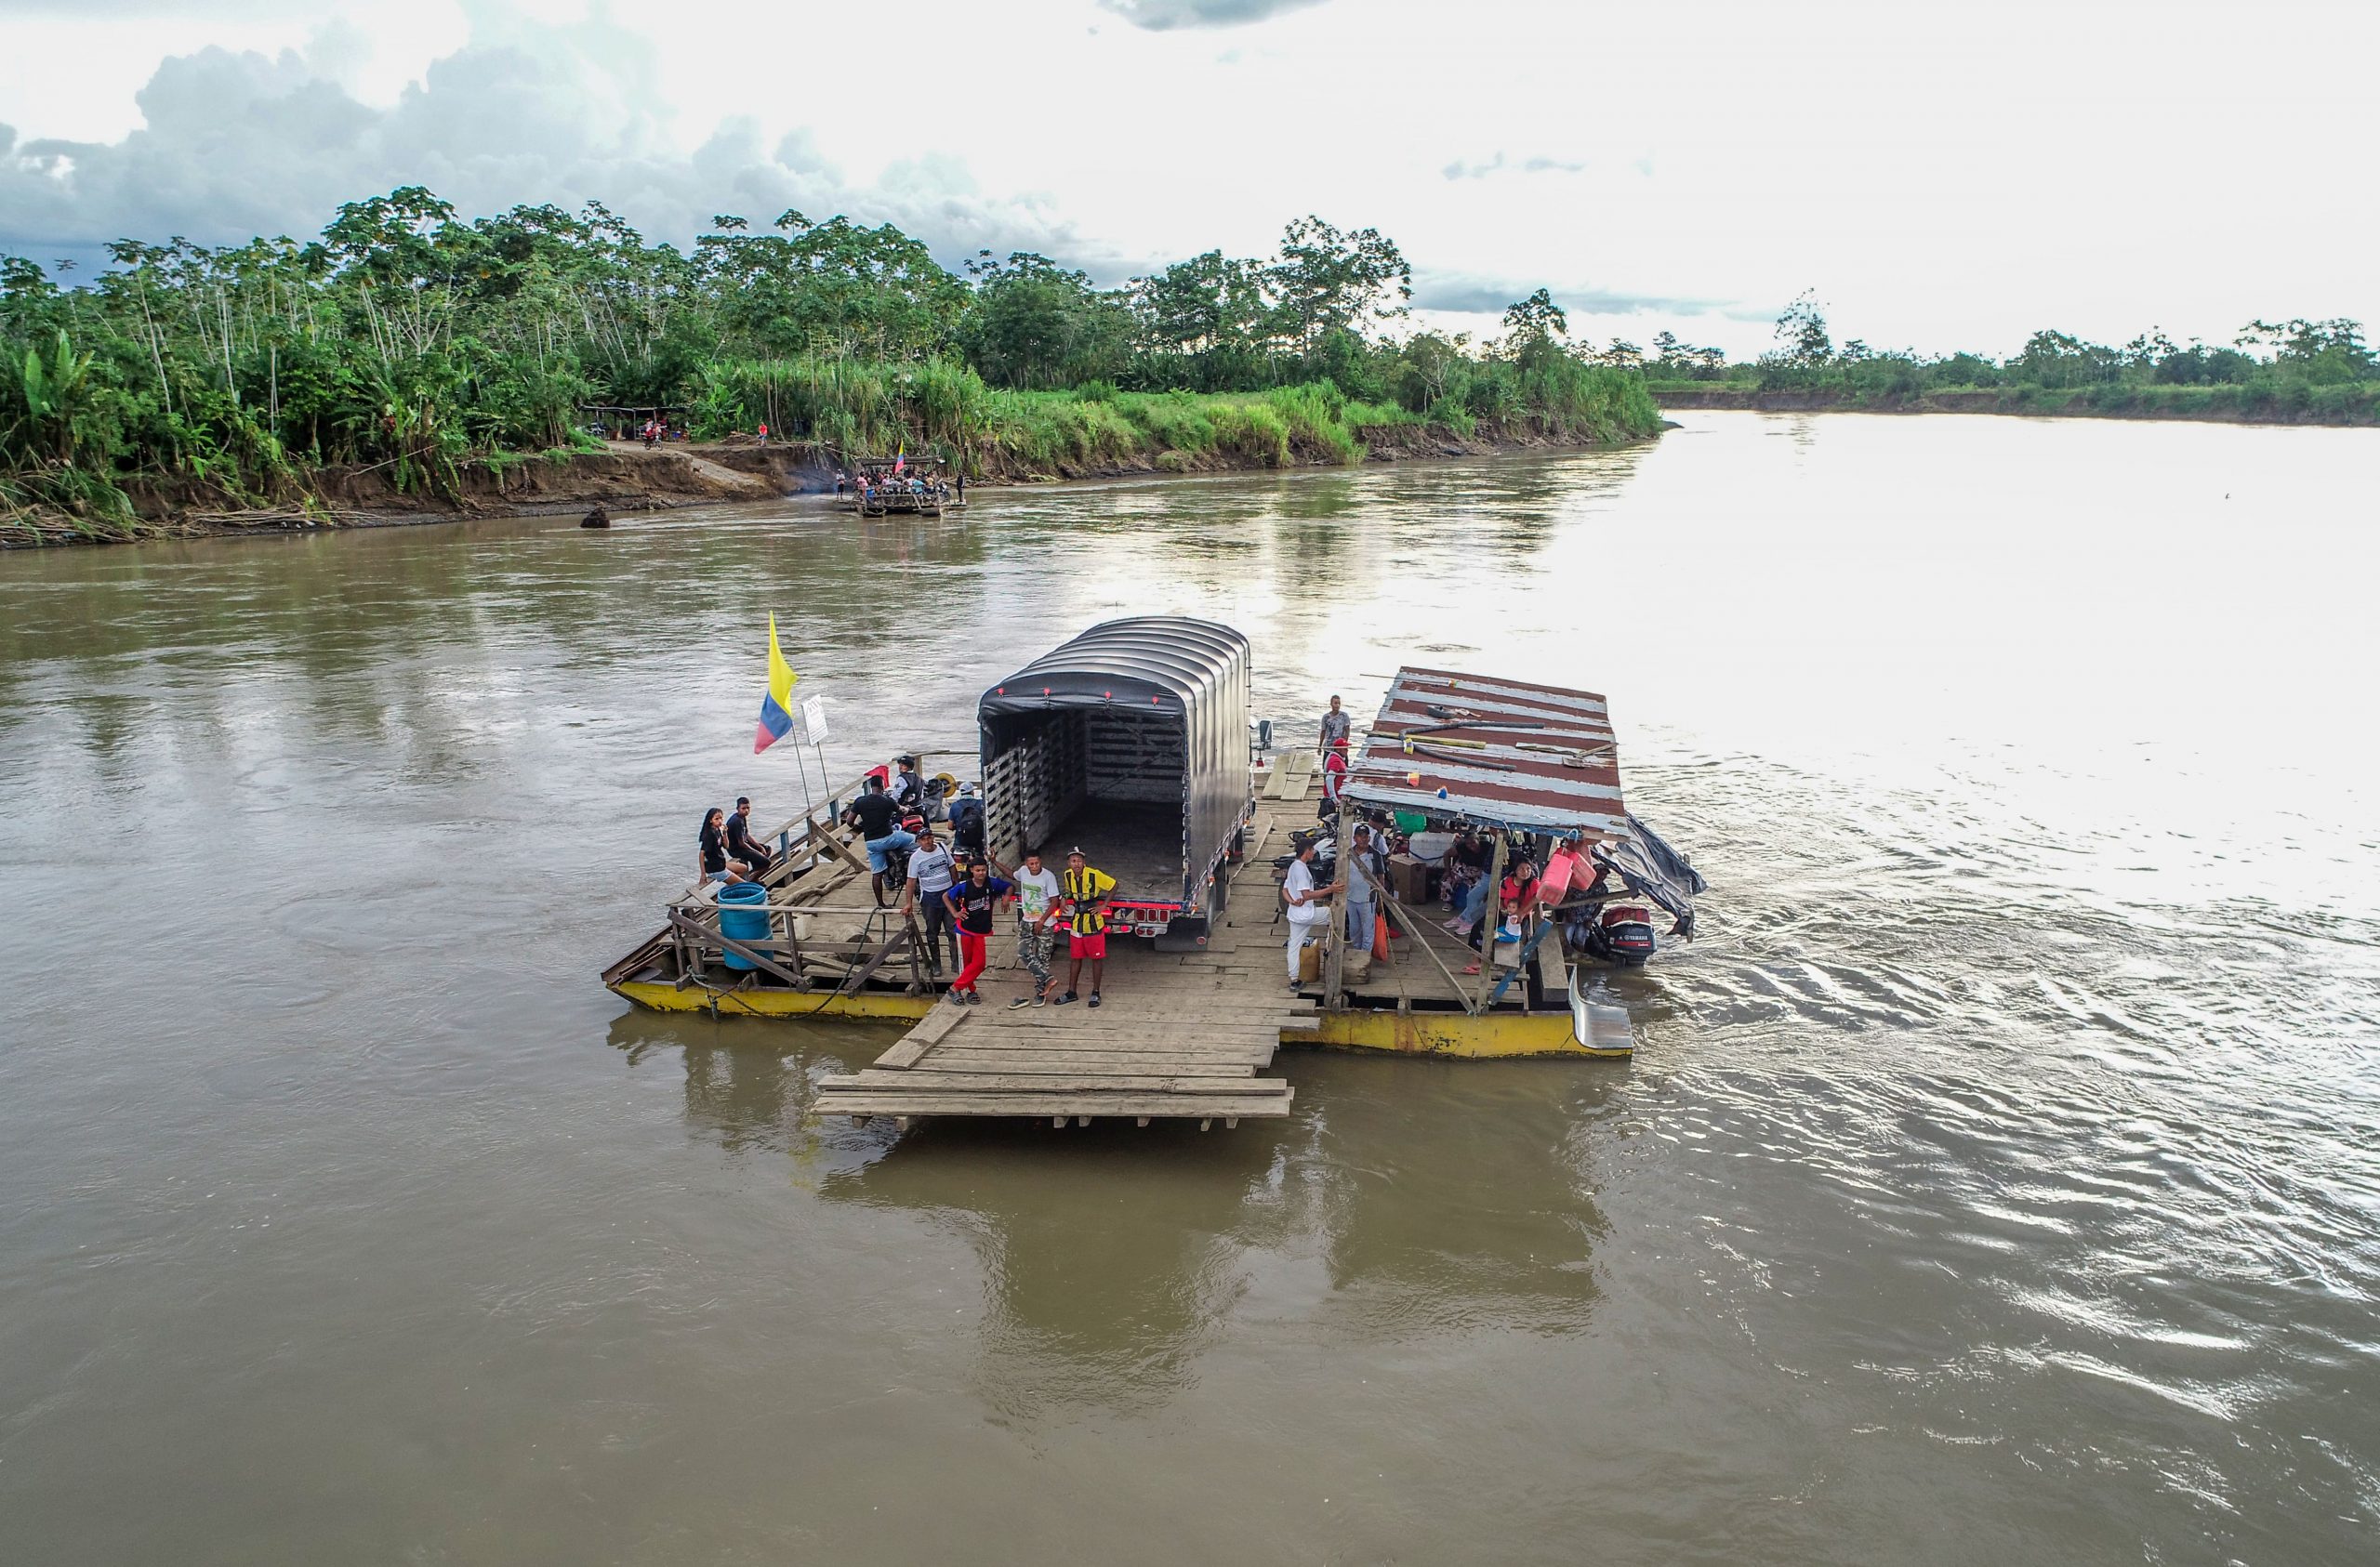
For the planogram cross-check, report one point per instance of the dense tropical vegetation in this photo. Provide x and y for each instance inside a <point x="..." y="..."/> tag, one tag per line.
<point x="410" y="340"/>
<point x="2317" y="371"/>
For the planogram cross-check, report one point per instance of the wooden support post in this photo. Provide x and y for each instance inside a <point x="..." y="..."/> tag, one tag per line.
<point x="1057" y="1123"/>
<point x="843" y="851"/>
<point x="1492" y="917"/>
<point x="1140" y="1120"/>
<point x="1082" y="1120"/>
<point x="861" y="975"/>
<point x="1207" y="1123"/>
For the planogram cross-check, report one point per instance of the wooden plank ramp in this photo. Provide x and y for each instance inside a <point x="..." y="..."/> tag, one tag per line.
<point x="1175" y="1036"/>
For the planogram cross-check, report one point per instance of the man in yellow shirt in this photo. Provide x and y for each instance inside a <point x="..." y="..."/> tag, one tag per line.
<point x="1087" y="891"/>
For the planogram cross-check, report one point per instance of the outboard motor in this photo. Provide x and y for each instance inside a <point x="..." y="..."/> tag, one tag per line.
<point x="1622" y="934"/>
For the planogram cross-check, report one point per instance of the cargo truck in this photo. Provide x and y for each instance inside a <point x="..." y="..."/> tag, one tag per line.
<point x="1131" y="742"/>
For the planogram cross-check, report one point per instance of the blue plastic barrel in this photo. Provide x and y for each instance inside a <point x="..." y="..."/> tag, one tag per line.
<point x="744" y="914"/>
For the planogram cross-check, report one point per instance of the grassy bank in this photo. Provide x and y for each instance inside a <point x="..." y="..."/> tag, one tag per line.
<point x="430" y="350"/>
<point x="946" y="408"/>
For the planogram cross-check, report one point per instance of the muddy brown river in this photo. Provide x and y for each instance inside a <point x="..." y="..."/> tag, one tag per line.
<point x="1995" y="1181"/>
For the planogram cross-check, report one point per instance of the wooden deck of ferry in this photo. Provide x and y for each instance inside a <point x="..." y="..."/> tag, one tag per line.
<point x="1178" y="1035"/>
<point x="1183" y="1034"/>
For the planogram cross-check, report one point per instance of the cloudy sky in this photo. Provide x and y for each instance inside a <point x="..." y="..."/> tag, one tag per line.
<point x="1943" y="175"/>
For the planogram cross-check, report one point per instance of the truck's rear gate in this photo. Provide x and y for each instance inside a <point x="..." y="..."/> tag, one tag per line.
<point x="1108" y="782"/>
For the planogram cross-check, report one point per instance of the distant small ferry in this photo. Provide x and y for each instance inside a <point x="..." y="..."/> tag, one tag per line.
<point x="900" y="486"/>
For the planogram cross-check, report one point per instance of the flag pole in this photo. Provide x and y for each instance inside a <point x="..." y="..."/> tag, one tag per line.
<point x="809" y="802"/>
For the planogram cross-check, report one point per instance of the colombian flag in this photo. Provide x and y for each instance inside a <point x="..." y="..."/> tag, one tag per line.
<point x="777" y="708"/>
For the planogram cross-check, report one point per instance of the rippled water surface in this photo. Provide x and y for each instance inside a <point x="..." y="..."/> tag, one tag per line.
<point x="1995" y="1181"/>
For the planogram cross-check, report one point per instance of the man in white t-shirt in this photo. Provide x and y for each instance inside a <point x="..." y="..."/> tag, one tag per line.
<point x="1308" y="904"/>
<point x="932" y="870"/>
<point x="1036" y="916"/>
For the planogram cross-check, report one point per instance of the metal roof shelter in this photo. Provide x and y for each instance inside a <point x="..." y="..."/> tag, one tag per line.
<point x="1508" y="754"/>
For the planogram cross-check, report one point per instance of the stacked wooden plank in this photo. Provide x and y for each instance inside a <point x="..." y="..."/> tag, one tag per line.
<point x="1291" y="774"/>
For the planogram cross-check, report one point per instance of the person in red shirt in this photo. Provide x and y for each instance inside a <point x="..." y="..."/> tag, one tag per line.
<point x="1334" y="777"/>
<point x="1517" y="893"/>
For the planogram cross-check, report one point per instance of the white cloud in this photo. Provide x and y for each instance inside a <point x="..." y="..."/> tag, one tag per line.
<point x="235" y="144"/>
<point x="1162" y="16"/>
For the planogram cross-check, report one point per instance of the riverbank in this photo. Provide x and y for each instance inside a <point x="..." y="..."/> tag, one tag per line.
<point x="624" y="478"/>
<point x="2345" y="406"/>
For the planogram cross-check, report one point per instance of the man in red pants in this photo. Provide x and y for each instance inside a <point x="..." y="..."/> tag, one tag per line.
<point x="972" y="903"/>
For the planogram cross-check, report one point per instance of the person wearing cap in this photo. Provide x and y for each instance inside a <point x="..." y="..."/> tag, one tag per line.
<point x="1307" y="903"/>
<point x="1087" y="889"/>
<point x="932" y="870"/>
<point x="1334" y="779"/>
<point x="908" y="789"/>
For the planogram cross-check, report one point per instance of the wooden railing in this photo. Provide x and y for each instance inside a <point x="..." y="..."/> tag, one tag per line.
<point x="810" y="849"/>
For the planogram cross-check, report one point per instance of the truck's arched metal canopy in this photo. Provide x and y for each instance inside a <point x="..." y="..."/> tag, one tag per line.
<point x="1193" y="661"/>
<point x="1098" y="733"/>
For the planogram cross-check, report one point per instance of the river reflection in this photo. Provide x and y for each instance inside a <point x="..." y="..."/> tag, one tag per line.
<point x="1111" y="1255"/>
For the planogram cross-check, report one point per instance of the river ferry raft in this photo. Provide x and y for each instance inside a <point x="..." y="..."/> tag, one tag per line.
<point x="1139" y="729"/>
<point x="903" y="486"/>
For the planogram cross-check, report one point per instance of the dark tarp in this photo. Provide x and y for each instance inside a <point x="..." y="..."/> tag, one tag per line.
<point x="1655" y="872"/>
<point x="1192" y="675"/>
<point x="1668" y="861"/>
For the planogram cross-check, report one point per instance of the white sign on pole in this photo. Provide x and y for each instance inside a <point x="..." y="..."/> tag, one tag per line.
<point x="811" y="728"/>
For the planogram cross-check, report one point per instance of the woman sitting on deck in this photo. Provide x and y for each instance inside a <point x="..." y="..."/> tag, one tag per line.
<point x="711" y="852"/>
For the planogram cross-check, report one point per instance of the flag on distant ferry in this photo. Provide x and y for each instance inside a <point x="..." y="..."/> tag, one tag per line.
<point x="776" y="707"/>
<point x="900" y="458"/>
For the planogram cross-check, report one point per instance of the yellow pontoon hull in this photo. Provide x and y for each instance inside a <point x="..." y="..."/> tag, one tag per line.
<point x="663" y="996"/>
<point x="1493" y="1037"/>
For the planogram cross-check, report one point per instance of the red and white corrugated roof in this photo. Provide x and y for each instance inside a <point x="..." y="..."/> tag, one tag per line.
<point x="1503" y="779"/>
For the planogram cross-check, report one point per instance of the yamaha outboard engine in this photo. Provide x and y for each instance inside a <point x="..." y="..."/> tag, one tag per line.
<point x="1622" y="933"/>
